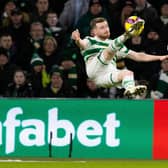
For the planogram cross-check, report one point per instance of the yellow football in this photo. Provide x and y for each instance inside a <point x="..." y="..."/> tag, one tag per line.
<point x="134" y="23"/>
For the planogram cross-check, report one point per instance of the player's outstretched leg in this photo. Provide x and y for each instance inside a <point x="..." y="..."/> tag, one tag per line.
<point x="135" y="29"/>
<point x="128" y="82"/>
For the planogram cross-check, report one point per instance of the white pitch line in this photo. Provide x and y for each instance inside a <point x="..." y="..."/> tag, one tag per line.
<point x="16" y="160"/>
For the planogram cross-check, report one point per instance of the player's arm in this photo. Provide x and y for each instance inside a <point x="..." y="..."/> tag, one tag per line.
<point x="143" y="57"/>
<point x="81" y="43"/>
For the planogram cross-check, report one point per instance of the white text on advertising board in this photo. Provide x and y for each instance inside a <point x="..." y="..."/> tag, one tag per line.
<point x="88" y="133"/>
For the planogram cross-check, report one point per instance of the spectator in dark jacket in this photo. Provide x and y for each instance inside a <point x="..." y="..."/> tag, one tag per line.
<point x="146" y="11"/>
<point x="93" y="91"/>
<point x="159" y="83"/>
<point x="6" y="42"/>
<point x="58" y="87"/>
<point x="162" y="23"/>
<point x="19" y="87"/>
<point x="50" y="53"/>
<point x="38" y="75"/>
<point x="17" y="25"/>
<point x="7" y="6"/>
<point x="6" y="71"/>
<point x="53" y="28"/>
<point x="31" y="45"/>
<point x="96" y="9"/>
<point x="40" y="10"/>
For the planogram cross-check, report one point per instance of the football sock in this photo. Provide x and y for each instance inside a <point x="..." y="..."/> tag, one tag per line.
<point x="128" y="81"/>
<point x="117" y="43"/>
<point x="122" y="52"/>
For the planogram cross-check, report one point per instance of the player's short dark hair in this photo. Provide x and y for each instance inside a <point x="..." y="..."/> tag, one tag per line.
<point x="96" y="20"/>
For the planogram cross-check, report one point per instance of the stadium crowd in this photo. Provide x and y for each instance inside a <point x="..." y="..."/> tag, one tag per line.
<point x="38" y="58"/>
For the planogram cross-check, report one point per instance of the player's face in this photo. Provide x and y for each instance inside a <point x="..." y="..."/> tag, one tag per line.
<point x="102" y="30"/>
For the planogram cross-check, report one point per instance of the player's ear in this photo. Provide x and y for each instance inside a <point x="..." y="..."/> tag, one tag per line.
<point x="93" y="32"/>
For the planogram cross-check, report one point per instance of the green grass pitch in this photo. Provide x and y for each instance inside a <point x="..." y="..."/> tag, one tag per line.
<point x="42" y="163"/>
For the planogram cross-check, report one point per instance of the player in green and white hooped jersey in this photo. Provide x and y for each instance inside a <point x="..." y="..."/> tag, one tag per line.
<point x="100" y="55"/>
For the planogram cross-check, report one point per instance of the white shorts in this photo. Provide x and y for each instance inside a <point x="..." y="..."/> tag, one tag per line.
<point x="103" y="74"/>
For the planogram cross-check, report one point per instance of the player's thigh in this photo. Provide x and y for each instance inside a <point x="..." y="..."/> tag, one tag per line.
<point x="94" y="67"/>
<point x="108" y="78"/>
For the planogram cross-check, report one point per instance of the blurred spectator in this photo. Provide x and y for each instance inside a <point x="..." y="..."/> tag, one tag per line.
<point x="159" y="83"/>
<point x="22" y="17"/>
<point x="19" y="87"/>
<point x="25" y="5"/>
<point x="53" y="28"/>
<point x="114" y="12"/>
<point x="6" y="42"/>
<point x="70" y="72"/>
<point x="57" y="6"/>
<point x="127" y="11"/>
<point x="162" y="23"/>
<point x="8" y="7"/>
<point x="2" y="5"/>
<point x="40" y="11"/>
<point x="17" y="25"/>
<point x="147" y="12"/>
<point x="31" y="45"/>
<point x="136" y="44"/>
<point x="96" y="9"/>
<point x="36" y="33"/>
<point x="152" y="45"/>
<point x="38" y="77"/>
<point x="6" y="71"/>
<point x="157" y="4"/>
<point x="74" y="69"/>
<point x="50" y="53"/>
<point x="92" y="91"/>
<point x="58" y="87"/>
<point x="73" y="10"/>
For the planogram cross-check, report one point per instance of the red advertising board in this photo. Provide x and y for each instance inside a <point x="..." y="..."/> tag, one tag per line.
<point x="160" y="141"/>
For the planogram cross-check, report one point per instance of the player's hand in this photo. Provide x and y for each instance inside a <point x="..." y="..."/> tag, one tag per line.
<point x="164" y="57"/>
<point x="75" y="35"/>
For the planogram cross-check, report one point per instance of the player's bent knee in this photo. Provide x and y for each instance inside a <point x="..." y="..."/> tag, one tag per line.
<point x="124" y="73"/>
<point x="127" y="73"/>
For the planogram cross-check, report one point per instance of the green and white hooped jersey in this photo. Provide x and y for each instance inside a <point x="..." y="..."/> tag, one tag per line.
<point x="96" y="45"/>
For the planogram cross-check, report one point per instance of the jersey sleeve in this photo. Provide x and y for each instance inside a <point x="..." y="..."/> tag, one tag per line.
<point x="88" y="41"/>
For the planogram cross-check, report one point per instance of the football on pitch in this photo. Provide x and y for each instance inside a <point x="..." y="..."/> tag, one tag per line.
<point x="131" y="21"/>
